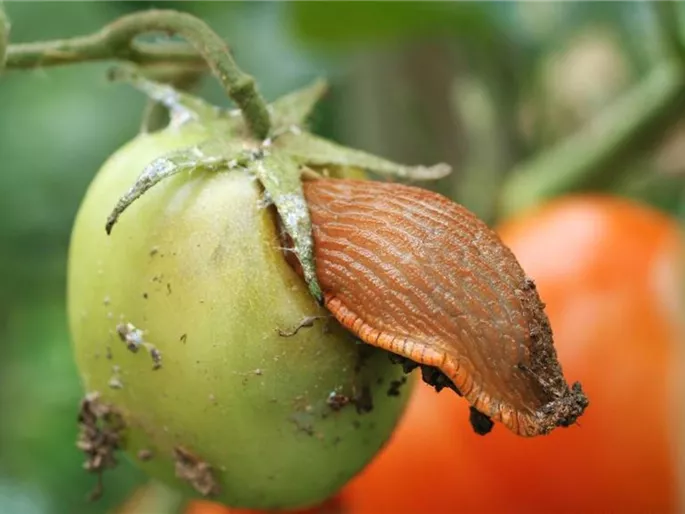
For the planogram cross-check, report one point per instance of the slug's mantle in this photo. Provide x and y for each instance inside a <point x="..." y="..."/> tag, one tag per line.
<point x="407" y="270"/>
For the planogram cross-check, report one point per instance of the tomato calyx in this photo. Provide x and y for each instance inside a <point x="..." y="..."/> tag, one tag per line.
<point x="278" y="162"/>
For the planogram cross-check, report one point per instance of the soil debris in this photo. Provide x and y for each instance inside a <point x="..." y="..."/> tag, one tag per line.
<point x="101" y="429"/>
<point x="195" y="471"/>
<point x="133" y="337"/>
<point x="156" y="357"/>
<point x="408" y="365"/>
<point x="436" y="378"/>
<point x="145" y="455"/>
<point x="394" y="389"/>
<point x="429" y="374"/>
<point x="364" y="352"/>
<point x="336" y="401"/>
<point x="115" y="383"/>
<point x="363" y="400"/>
<point x="481" y="423"/>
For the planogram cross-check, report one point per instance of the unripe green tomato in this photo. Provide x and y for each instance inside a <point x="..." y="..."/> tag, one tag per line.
<point x="195" y="265"/>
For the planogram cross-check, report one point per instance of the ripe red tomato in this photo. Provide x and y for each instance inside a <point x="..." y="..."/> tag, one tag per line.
<point x="610" y="273"/>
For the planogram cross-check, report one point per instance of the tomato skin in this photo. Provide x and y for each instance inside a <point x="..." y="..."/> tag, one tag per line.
<point x="417" y="471"/>
<point x="610" y="273"/>
<point x="196" y="264"/>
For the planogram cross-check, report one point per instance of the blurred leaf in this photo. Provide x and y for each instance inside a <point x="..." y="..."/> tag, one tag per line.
<point x="41" y="389"/>
<point x="357" y="23"/>
<point x="56" y="129"/>
<point x="661" y="191"/>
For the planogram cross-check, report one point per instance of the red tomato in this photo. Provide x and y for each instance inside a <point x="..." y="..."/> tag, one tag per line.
<point x="610" y="273"/>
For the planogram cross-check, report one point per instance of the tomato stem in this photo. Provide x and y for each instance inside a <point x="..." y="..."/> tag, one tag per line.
<point x="117" y="41"/>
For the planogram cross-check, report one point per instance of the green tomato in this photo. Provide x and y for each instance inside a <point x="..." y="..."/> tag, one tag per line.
<point x="193" y="278"/>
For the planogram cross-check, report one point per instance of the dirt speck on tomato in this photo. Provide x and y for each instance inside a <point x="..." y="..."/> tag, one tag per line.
<point x="115" y="383"/>
<point x="195" y="471"/>
<point x="394" y="389"/>
<point x="363" y="400"/>
<point x="100" y="437"/>
<point x="156" y="358"/>
<point x="145" y="454"/>
<point x="337" y="401"/>
<point x="133" y="337"/>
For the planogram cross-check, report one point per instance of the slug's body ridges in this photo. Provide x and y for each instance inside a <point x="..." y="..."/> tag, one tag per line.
<point x="407" y="270"/>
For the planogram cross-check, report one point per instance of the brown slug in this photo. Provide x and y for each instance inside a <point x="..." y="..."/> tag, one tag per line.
<point x="407" y="270"/>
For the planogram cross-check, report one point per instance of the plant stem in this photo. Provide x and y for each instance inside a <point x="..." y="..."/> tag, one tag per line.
<point x="97" y="47"/>
<point x="593" y="157"/>
<point x="669" y="26"/>
<point x="116" y="41"/>
<point x="4" y="35"/>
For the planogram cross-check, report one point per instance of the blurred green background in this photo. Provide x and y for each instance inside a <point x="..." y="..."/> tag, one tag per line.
<point x="483" y="86"/>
